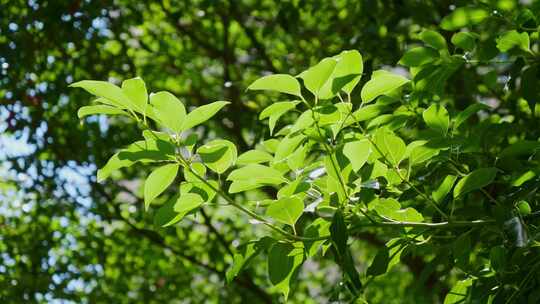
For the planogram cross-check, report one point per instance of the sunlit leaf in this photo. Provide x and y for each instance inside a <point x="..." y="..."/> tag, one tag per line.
<point x="316" y="76"/>
<point x="108" y="91"/>
<point x="444" y="188"/>
<point x="357" y="152"/>
<point x="278" y="82"/>
<point x="149" y="150"/>
<point x="218" y="155"/>
<point x="381" y="83"/>
<point x="464" y="40"/>
<point x="458" y="294"/>
<point x="391" y="209"/>
<point x="419" y="56"/>
<point x="202" y="114"/>
<point x="391" y="146"/>
<point x="275" y="111"/>
<point x="433" y="39"/>
<point x="286" y="210"/>
<point x="437" y="118"/>
<point x="169" y="110"/>
<point x="99" y="109"/>
<point x="513" y="39"/>
<point x="158" y="181"/>
<point x="254" y="157"/>
<point x="135" y="90"/>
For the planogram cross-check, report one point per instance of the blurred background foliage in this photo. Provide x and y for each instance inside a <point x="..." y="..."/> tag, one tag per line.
<point x="65" y="237"/>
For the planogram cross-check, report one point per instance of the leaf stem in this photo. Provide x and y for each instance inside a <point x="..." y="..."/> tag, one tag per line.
<point x="441" y="225"/>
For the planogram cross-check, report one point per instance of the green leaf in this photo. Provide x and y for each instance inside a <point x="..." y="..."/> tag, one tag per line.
<point x="464" y="16"/>
<point x="258" y="174"/>
<point x="218" y="155"/>
<point x="141" y="151"/>
<point x="158" y="181"/>
<point x="286" y="210"/>
<point x="339" y="233"/>
<point x="464" y="40"/>
<point x="475" y="180"/>
<point x="99" y="109"/>
<point x="316" y="76"/>
<point x="287" y="146"/>
<point x="320" y="227"/>
<point x="444" y="188"/>
<point x="381" y="83"/>
<point x="244" y="254"/>
<point x="380" y="263"/>
<point x="458" y="293"/>
<point x="304" y="121"/>
<point x="254" y="157"/>
<point x="465" y="114"/>
<point x="395" y="247"/>
<point x="166" y="216"/>
<point x="436" y="118"/>
<point x="432" y="78"/>
<point x="278" y="82"/>
<point x="513" y="39"/>
<point x="348" y="71"/>
<point x="368" y="112"/>
<point x="433" y="39"/>
<point x="275" y="111"/>
<point x="522" y="178"/>
<point x="521" y="148"/>
<point x="422" y="153"/>
<point x="202" y="114"/>
<point x="392" y="147"/>
<point x="327" y="115"/>
<point x="108" y="91"/>
<point x="135" y="90"/>
<point x="357" y="152"/>
<point x="297" y="159"/>
<point x="345" y="76"/>
<point x="524" y="208"/>
<point x="390" y="208"/>
<point x="419" y="56"/>
<point x="244" y="185"/>
<point x="206" y="192"/>
<point x="169" y="110"/>
<point x="284" y="259"/>
<point x="188" y="202"/>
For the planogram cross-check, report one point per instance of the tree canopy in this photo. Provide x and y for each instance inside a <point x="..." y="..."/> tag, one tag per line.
<point x="269" y="151"/>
